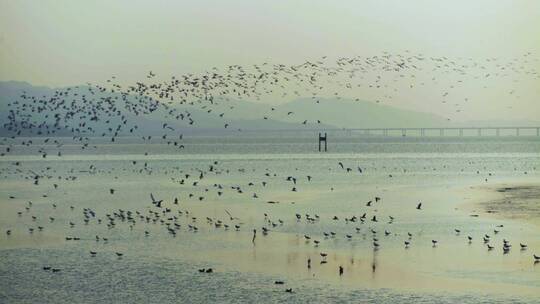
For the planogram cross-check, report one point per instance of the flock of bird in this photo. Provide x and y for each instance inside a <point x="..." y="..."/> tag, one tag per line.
<point x="113" y="110"/>
<point x="174" y="218"/>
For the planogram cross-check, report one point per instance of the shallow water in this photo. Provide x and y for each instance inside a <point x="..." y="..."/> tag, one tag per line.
<point x="163" y="268"/>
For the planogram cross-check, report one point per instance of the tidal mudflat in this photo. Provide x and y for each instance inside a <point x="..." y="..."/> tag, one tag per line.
<point x="120" y="222"/>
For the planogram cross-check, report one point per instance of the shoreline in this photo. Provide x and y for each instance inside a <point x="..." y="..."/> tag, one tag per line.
<point x="518" y="201"/>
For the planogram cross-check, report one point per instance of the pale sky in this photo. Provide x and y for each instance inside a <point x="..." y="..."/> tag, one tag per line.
<point x="60" y="43"/>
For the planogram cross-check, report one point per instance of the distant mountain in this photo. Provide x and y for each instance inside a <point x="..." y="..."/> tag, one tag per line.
<point x="346" y="113"/>
<point x="360" y="114"/>
<point x="303" y="113"/>
<point x="244" y="115"/>
<point x="11" y="90"/>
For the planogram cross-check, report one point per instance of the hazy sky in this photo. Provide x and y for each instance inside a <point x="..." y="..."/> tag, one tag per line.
<point x="58" y="43"/>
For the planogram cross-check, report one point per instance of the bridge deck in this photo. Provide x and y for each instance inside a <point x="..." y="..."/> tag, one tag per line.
<point x="418" y="131"/>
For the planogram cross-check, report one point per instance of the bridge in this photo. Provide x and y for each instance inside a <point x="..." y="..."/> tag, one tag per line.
<point x="417" y="131"/>
<point x="448" y="131"/>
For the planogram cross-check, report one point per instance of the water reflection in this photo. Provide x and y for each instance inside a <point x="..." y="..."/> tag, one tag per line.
<point x="455" y="265"/>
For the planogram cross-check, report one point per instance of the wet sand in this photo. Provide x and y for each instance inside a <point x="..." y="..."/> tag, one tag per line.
<point x="449" y="191"/>
<point x="513" y="201"/>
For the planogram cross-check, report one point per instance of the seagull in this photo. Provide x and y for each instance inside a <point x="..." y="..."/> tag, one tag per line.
<point x="155" y="202"/>
<point x="206" y="270"/>
<point x="230" y="216"/>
